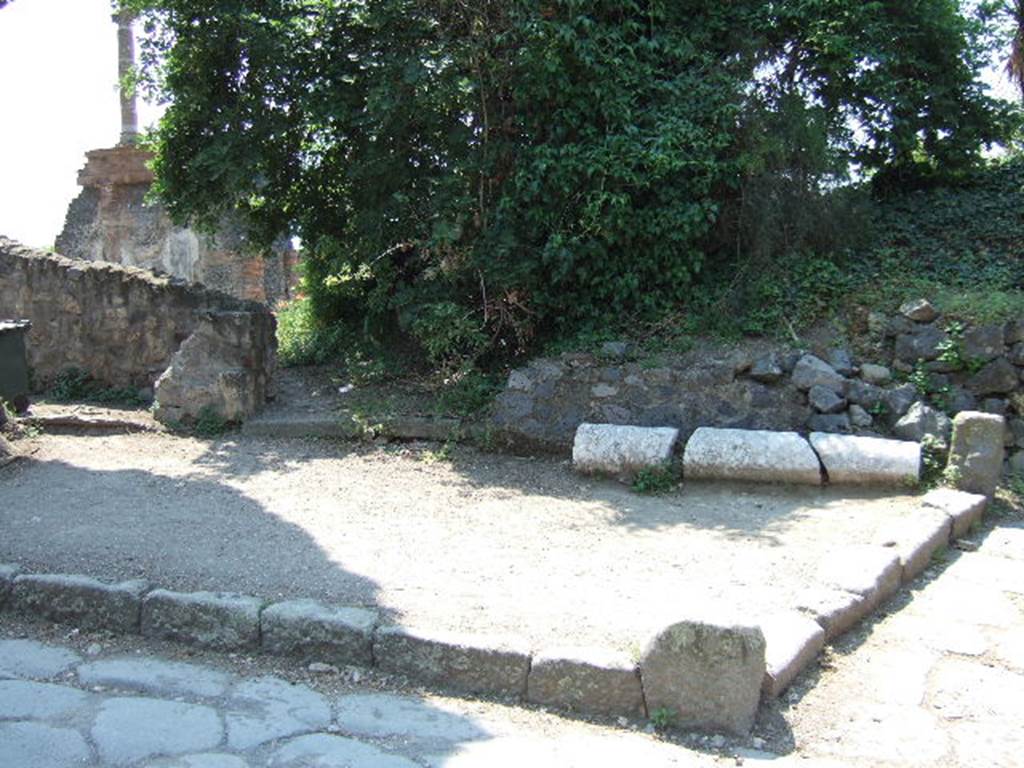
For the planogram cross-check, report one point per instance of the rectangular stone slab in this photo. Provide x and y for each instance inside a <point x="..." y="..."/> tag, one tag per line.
<point x="793" y="640"/>
<point x="586" y="680"/>
<point x="874" y="573"/>
<point x="314" y="631"/>
<point x="835" y="610"/>
<point x="750" y="455"/>
<point x="218" y="620"/>
<point x="852" y="460"/>
<point x="620" y="450"/>
<point x="80" y="600"/>
<point x="465" y="663"/>
<point x="918" y="538"/>
<point x="964" y="508"/>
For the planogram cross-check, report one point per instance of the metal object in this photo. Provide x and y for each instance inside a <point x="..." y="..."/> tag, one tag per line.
<point x="13" y="363"/>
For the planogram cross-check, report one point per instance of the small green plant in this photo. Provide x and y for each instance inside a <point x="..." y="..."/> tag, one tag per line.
<point x="302" y="340"/>
<point x="1015" y="484"/>
<point x="74" y="384"/>
<point x="439" y="456"/>
<point x="466" y="394"/>
<point x="663" y="718"/>
<point x="210" y="424"/>
<point x="655" y="480"/>
<point x="952" y="476"/>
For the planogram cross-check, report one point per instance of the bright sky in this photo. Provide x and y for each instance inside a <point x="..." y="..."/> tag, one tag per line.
<point x="58" y="98"/>
<point x="58" y="91"/>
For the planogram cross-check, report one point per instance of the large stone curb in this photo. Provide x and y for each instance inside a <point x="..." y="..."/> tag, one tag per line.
<point x="919" y="538"/>
<point x="216" y="620"/>
<point x="311" y="630"/>
<point x="873" y="573"/>
<point x="707" y="672"/>
<point x="792" y="642"/>
<point x="965" y="509"/>
<point x="619" y="450"/>
<point x="867" y="460"/>
<point x="589" y="681"/>
<point x="80" y="600"/>
<point x="464" y="663"/>
<point x="8" y="573"/>
<point x="835" y="610"/>
<point x="750" y="455"/>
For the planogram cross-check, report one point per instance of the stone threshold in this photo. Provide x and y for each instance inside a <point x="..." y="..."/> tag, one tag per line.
<point x="582" y="681"/>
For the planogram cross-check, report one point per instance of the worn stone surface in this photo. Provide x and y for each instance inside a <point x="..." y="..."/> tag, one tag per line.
<point x="589" y="681"/>
<point x="997" y="378"/>
<point x="709" y="672"/>
<point x="80" y="600"/>
<point x="620" y="450"/>
<point x="874" y="573"/>
<point x="268" y="708"/>
<point x="858" y="460"/>
<point x="312" y="630"/>
<point x="811" y="371"/>
<point x="897" y="401"/>
<point x="328" y="751"/>
<point x="792" y="641"/>
<point x="35" y="745"/>
<point x="219" y="620"/>
<point x="976" y="452"/>
<point x="842" y="361"/>
<point x="918" y="539"/>
<point x="860" y="418"/>
<point x="824" y="400"/>
<point x="835" y="610"/>
<point x="878" y="375"/>
<point x="23" y="699"/>
<point x="130" y="729"/>
<point x="965" y="509"/>
<point x="923" y="343"/>
<point x="427" y="725"/>
<point x="756" y="455"/>
<point x="159" y="678"/>
<point x="122" y="325"/>
<point x="834" y="423"/>
<point x="919" y="310"/>
<point x="983" y="342"/>
<point x="31" y="659"/>
<point x="767" y="370"/>
<point x="863" y="393"/>
<point x="924" y="421"/>
<point x="203" y="760"/>
<point x="466" y="663"/>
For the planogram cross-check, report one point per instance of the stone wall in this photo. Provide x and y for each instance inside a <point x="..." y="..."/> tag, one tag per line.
<point x="917" y="370"/>
<point x="111" y="220"/>
<point x="124" y="325"/>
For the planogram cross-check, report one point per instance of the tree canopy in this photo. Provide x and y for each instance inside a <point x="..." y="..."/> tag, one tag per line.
<point x="477" y="172"/>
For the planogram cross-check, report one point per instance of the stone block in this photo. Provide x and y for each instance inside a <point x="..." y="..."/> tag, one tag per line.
<point x="851" y="460"/>
<point x="811" y="371"/>
<point x="874" y="573"/>
<point x="918" y="538"/>
<point x="314" y="631"/>
<point x="464" y="663"/>
<point x="708" y="672"/>
<point x="923" y="421"/>
<point x="216" y="620"/>
<point x="983" y="342"/>
<point x="922" y="343"/>
<point x="999" y="377"/>
<point x="965" y="509"/>
<point x="756" y="455"/>
<point x="878" y="375"/>
<point x="824" y="400"/>
<point x="897" y="401"/>
<point x="622" y="450"/>
<point x="589" y="681"/>
<point x="792" y="641"/>
<point x="8" y="572"/>
<point x="835" y="610"/>
<point x="80" y="600"/>
<point x="976" y="452"/>
<point x="919" y="310"/>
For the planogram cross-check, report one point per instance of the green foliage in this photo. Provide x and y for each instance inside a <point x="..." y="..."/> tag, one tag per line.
<point x="75" y="385"/>
<point x="209" y="424"/>
<point x="467" y="394"/>
<point x="303" y="340"/>
<point x="655" y="480"/>
<point x="933" y="461"/>
<point x="663" y="718"/>
<point x="481" y="175"/>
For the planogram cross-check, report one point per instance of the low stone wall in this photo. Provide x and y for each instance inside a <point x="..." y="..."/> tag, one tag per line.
<point x="122" y="325"/>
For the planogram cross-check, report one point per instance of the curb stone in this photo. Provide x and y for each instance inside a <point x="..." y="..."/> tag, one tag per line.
<point x="792" y="642"/>
<point x="964" y="508"/>
<point x="917" y="540"/>
<point x="834" y="610"/>
<point x="588" y="680"/>
<point x="215" y="620"/>
<point x="311" y="630"/>
<point x="81" y="600"/>
<point x="467" y="663"/>
<point x="874" y="573"/>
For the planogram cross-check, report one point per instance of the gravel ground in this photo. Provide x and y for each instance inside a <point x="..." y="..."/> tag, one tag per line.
<point x="481" y="542"/>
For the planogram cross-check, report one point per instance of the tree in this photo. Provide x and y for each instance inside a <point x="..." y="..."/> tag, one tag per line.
<point x="505" y="167"/>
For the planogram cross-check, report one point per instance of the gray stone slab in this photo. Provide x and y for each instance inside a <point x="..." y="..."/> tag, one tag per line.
<point x="976" y="452"/>
<point x="792" y="642"/>
<point x="28" y="658"/>
<point x="156" y="677"/>
<point x="622" y="450"/>
<point x="707" y="672"/>
<point x="326" y="751"/>
<point x="460" y="662"/>
<point x="34" y="745"/>
<point x="131" y="729"/>
<point x="874" y="573"/>
<point x="80" y="600"/>
<point x="811" y="371"/>
<point x="8" y="572"/>
<point x="855" y="460"/>
<point x="268" y="708"/>
<point x="217" y="620"/>
<point x="28" y="700"/>
<point x="918" y="538"/>
<point x="965" y="509"/>
<point x="586" y="680"/>
<point x="205" y="760"/>
<point x="835" y="610"/>
<point x="752" y="455"/>
<point x="314" y="631"/>
<point x="427" y="724"/>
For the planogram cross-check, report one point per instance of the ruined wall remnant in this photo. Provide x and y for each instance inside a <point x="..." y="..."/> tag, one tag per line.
<point x="124" y="327"/>
<point x="112" y="221"/>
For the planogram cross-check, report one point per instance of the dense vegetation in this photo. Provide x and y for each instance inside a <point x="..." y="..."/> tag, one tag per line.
<point x="481" y="177"/>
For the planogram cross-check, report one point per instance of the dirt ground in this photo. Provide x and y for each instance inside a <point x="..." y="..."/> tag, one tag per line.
<point x="478" y="542"/>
